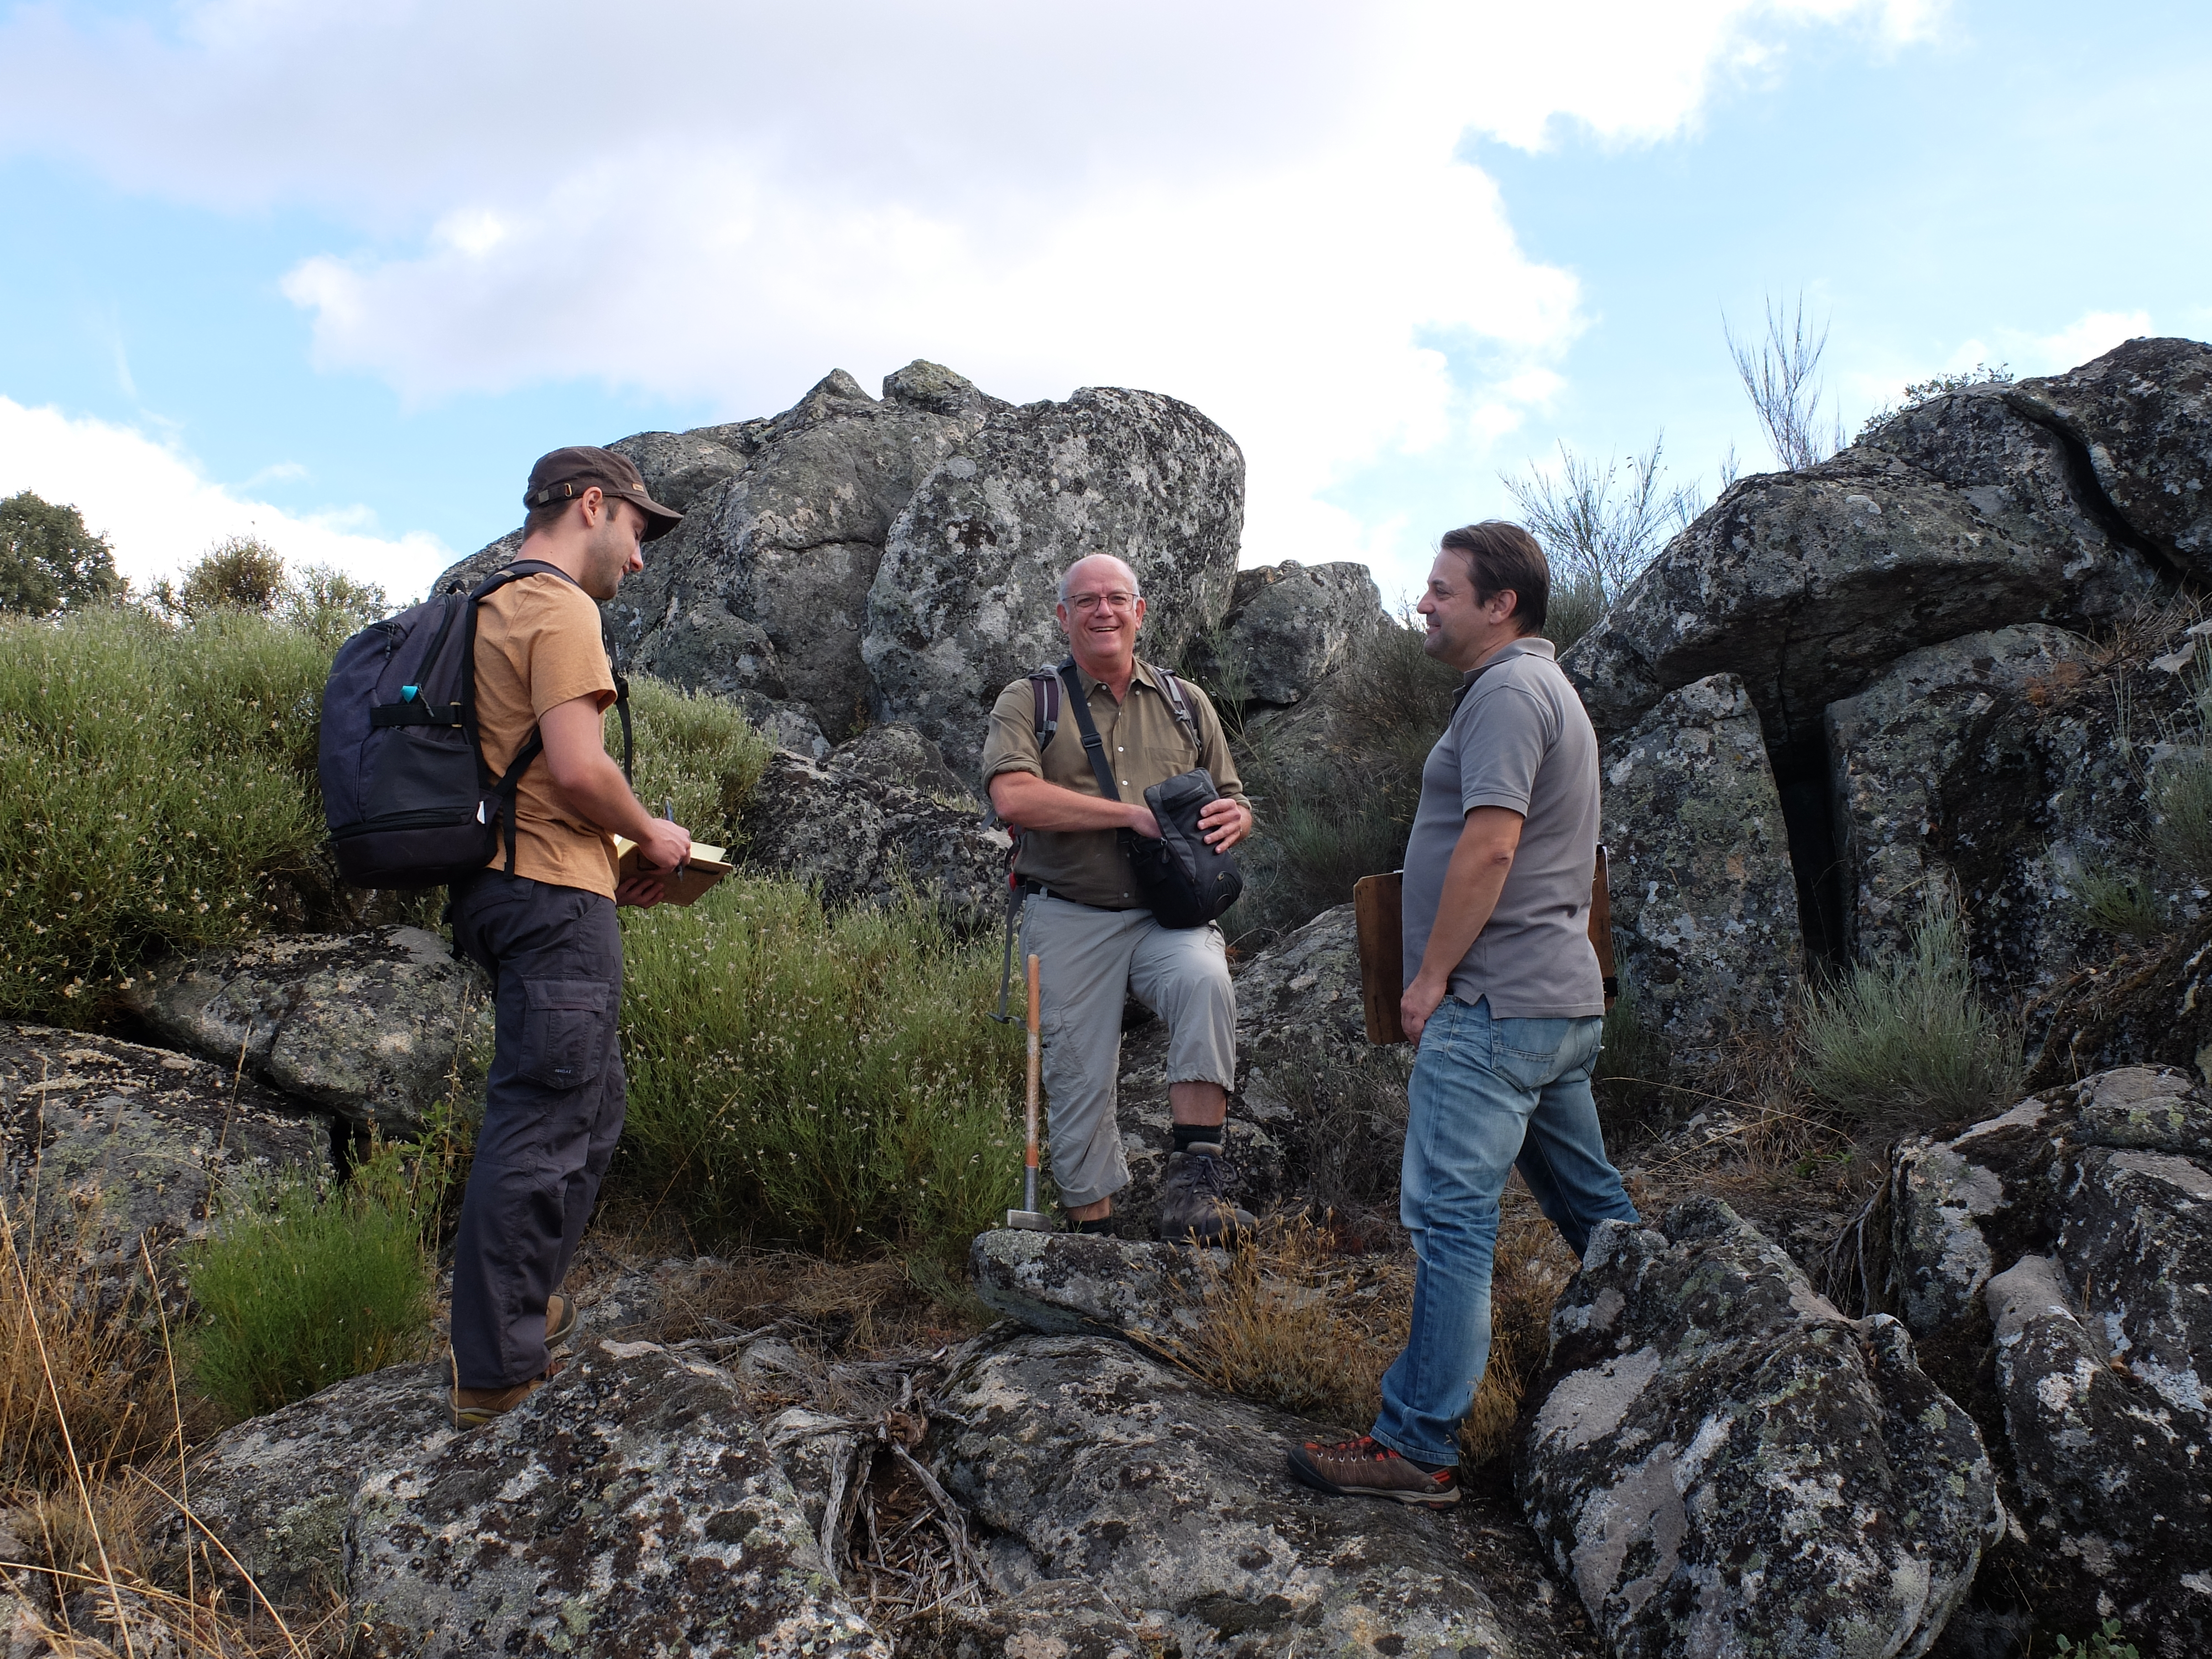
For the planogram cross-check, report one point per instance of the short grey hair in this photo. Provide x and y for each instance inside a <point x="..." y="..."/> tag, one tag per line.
<point x="1136" y="587"/>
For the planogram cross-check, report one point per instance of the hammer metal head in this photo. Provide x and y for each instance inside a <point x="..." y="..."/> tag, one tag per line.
<point x="1028" y="1221"/>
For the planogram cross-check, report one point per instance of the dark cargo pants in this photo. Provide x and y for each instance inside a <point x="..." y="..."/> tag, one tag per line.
<point x="553" y="1110"/>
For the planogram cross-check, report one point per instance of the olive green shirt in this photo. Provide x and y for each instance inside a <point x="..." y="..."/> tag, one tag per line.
<point x="1146" y="745"/>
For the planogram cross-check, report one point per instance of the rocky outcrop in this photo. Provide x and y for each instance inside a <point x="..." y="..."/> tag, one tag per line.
<point x="1958" y="518"/>
<point x="2059" y="1246"/>
<point x="1054" y="1618"/>
<point x="1066" y="1282"/>
<point x="275" y="1490"/>
<point x="627" y="1506"/>
<point x="1288" y="625"/>
<point x="2142" y="415"/>
<point x="1704" y="901"/>
<point x="861" y="838"/>
<point x="1173" y="1500"/>
<point x="896" y="754"/>
<point x="963" y="601"/>
<point x="375" y="1028"/>
<point x="895" y="558"/>
<point x="124" y="1142"/>
<point x="1721" y="1463"/>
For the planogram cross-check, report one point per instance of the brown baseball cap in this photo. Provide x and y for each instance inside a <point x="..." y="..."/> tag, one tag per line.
<point x="567" y="473"/>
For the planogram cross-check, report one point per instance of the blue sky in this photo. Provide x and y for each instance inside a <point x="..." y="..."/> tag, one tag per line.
<point x="337" y="278"/>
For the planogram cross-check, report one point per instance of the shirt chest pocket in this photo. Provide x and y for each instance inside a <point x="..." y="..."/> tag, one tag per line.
<point x="566" y="1027"/>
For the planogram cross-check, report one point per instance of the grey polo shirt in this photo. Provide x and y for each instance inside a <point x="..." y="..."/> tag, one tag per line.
<point x="1518" y="739"/>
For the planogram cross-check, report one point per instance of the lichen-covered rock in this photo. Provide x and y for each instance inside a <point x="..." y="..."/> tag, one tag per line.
<point x="375" y="1028"/>
<point x="2075" y="1233"/>
<point x="2112" y="1477"/>
<point x="964" y="599"/>
<point x="1963" y="1209"/>
<point x="1055" y="1618"/>
<point x="276" y="1489"/>
<point x="1067" y="1282"/>
<point x="1723" y="1463"/>
<point x="1298" y="1000"/>
<point x="895" y="753"/>
<point x="127" y="1142"/>
<point x="1806" y="584"/>
<point x="2143" y="413"/>
<point x="861" y="838"/>
<point x="1287" y="625"/>
<point x="628" y="1506"/>
<point x="1173" y="1500"/>
<point x="1704" y="901"/>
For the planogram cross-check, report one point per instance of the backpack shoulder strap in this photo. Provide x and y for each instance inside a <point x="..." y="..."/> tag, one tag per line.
<point x="1044" y="694"/>
<point x="1177" y="701"/>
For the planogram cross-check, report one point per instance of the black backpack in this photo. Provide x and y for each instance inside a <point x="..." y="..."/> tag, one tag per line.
<point x="408" y="797"/>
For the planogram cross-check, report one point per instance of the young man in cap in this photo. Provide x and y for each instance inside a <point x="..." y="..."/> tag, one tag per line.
<point x="544" y="928"/>
<point x="1086" y="921"/>
<point x="1502" y="994"/>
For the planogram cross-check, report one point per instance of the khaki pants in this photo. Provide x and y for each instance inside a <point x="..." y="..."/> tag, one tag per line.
<point x="1088" y="959"/>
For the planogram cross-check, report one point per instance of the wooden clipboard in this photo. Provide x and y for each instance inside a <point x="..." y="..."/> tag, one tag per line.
<point x="1377" y="908"/>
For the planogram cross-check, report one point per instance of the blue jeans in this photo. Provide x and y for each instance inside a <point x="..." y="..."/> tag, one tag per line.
<point x="1486" y="1095"/>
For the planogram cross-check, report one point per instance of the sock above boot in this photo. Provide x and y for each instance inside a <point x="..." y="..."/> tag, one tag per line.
<point x="1187" y="1135"/>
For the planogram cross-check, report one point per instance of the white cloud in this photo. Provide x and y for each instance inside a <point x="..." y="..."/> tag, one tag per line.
<point x="159" y="512"/>
<point x="2091" y="335"/>
<point x="1254" y="207"/>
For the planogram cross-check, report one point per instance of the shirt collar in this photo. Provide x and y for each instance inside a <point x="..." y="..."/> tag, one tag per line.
<point x="1529" y="645"/>
<point x="1144" y="676"/>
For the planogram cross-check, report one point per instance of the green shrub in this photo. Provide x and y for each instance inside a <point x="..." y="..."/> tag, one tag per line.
<point x="150" y="778"/>
<point x="829" y="1081"/>
<point x="695" y="749"/>
<point x="2181" y="834"/>
<point x="299" y="1289"/>
<point x="1905" y="1038"/>
<point x="1631" y="1060"/>
<point x="2119" y="901"/>
<point x="2107" y="1642"/>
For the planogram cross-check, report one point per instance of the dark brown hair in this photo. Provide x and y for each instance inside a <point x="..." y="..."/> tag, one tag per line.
<point x="1503" y="558"/>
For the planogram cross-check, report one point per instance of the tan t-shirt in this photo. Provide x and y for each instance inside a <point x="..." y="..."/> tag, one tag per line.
<point x="1147" y="745"/>
<point x="538" y="646"/>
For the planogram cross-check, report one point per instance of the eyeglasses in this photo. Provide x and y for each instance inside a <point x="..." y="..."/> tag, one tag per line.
<point x="1086" y="605"/>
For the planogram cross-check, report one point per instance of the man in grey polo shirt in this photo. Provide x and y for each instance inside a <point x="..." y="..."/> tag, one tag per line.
<point x="1502" y="994"/>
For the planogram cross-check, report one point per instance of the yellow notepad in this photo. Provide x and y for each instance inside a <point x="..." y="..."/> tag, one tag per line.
<point x="707" y="866"/>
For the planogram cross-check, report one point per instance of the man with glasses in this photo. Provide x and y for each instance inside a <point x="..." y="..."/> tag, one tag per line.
<point x="1084" y="919"/>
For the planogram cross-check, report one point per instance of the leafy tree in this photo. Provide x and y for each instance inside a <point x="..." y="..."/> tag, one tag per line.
<point x="330" y="604"/>
<point x="49" y="562"/>
<point x="239" y="573"/>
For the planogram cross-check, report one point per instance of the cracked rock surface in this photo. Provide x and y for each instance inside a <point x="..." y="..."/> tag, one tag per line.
<point x="1174" y="1501"/>
<point x="627" y="1507"/>
<point x="372" y="1027"/>
<point x="1724" y="1463"/>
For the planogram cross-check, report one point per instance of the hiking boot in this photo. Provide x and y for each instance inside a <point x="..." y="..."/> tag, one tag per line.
<point x="561" y="1322"/>
<point x="1367" y="1468"/>
<point x="1194" y="1198"/>
<point x="474" y="1408"/>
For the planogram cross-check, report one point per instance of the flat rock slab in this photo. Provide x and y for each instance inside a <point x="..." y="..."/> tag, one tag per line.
<point x="376" y="1027"/>
<point x="1173" y="1500"/>
<point x="275" y="1490"/>
<point x="627" y="1507"/>
<point x="1724" y="1464"/>
<point x="140" y="1134"/>
<point x="1069" y="1282"/>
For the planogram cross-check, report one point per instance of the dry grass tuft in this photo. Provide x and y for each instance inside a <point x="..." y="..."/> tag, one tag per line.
<point x="1294" y="1323"/>
<point x="71" y="1334"/>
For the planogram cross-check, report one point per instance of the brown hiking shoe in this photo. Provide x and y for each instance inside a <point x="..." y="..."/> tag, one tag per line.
<point x="561" y="1322"/>
<point x="1367" y="1468"/>
<point x="1194" y="1198"/>
<point x="474" y="1408"/>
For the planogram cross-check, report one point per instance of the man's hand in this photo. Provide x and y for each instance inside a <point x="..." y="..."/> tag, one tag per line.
<point x="1225" y="822"/>
<point x="594" y="789"/>
<point x="1420" y="1000"/>
<point x="1028" y="802"/>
